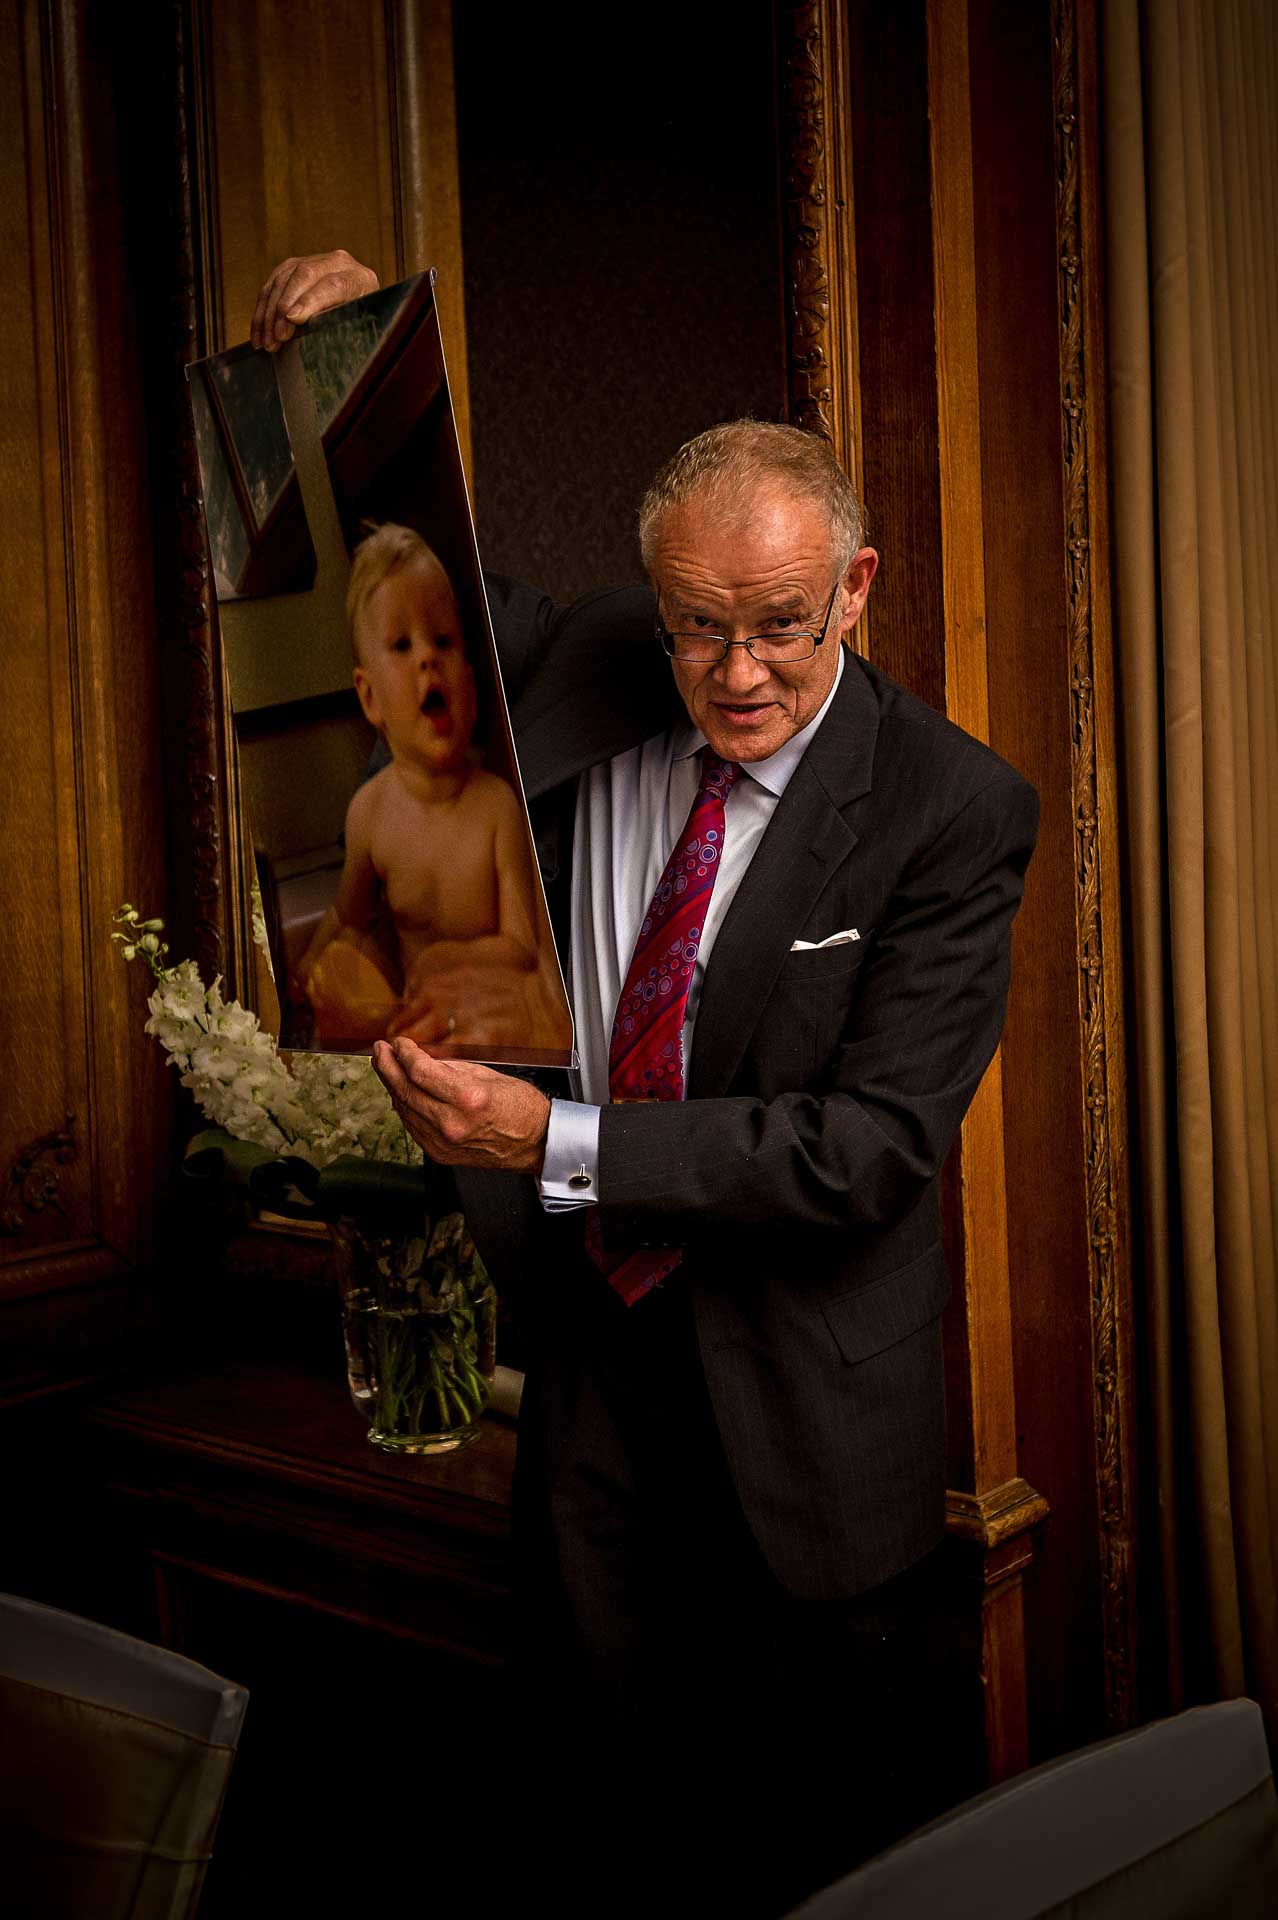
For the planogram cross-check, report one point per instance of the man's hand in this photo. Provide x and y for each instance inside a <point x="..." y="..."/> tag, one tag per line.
<point x="463" y="1115"/>
<point x="299" y="289"/>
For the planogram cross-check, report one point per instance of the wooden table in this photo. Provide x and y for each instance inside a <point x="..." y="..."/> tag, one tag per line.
<point x="363" y="1598"/>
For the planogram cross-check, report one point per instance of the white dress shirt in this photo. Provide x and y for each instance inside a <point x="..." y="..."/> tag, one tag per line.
<point x="629" y="811"/>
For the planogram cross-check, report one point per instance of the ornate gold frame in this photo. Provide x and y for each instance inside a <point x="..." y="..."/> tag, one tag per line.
<point x="1096" y="829"/>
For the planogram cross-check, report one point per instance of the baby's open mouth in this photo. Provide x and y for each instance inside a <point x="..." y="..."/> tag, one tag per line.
<point x="435" y="708"/>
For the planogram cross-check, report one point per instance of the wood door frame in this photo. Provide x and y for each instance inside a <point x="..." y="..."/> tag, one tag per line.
<point x="818" y="166"/>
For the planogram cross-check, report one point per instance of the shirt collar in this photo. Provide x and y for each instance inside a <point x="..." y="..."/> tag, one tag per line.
<point x="776" y="772"/>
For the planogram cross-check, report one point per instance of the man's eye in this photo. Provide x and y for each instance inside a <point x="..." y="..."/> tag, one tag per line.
<point x="443" y="641"/>
<point x="402" y="645"/>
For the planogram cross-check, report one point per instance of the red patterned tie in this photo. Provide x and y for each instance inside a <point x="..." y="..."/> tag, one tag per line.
<point x="645" y="1057"/>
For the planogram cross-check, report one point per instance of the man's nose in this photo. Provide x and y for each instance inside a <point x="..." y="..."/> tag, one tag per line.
<point x="739" y="669"/>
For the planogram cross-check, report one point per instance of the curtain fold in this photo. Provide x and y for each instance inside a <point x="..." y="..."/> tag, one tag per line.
<point x="1189" y="103"/>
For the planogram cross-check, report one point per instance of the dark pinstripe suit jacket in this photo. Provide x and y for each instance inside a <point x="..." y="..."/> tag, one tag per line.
<point x="826" y="1085"/>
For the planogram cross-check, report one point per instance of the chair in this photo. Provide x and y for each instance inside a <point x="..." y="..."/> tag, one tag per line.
<point x="114" y="1762"/>
<point x="1177" y="1820"/>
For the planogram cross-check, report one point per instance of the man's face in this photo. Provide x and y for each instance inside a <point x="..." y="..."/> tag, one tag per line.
<point x="767" y="568"/>
<point x="413" y="679"/>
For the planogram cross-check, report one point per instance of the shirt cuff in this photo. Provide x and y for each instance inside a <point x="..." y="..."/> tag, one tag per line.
<point x="570" y="1169"/>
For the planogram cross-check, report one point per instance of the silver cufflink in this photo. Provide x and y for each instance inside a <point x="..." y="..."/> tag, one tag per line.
<point x="579" y="1179"/>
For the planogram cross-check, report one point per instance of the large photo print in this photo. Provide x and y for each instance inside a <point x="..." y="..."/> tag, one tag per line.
<point x="399" y="888"/>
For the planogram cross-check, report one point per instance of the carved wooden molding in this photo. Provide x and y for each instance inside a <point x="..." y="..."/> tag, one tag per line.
<point x="206" y="773"/>
<point x="999" y="1514"/>
<point x="819" y="267"/>
<point x="1101" y="1062"/>
<point x="426" y="197"/>
<point x="35" y="1178"/>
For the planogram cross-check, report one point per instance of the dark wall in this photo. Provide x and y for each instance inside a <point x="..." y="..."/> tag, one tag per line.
<point x="622" y="264"/>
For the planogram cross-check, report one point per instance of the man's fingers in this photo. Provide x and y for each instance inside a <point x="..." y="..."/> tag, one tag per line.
<point x="410" y="1074"/>
<point x="299" y="288"/>
<point x="391" y="1062"/>
<point x="330" y="290"/>
<point x="438" y="1080"/>
<point x="282" y="277"/>
<point x="289" y="287"/>
<point x="389" y="1071"/>
<point x="266" y="301"/>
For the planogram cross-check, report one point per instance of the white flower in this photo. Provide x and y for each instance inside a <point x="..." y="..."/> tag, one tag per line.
<point x="236" y="1027"/>
<point x="214" y="1061"/>
<point x="180" y="994"/>
<point x="321" y="1107"/>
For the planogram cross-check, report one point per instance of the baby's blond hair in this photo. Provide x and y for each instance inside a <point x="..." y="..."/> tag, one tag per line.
<point x="383" y="552"/>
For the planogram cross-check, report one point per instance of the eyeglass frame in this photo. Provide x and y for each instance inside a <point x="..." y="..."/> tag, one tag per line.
<point x="665" y="635"/>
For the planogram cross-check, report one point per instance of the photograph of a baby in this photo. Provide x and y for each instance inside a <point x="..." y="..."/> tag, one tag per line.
<point x="437" y="873"/>
<point x="396" y="886"/>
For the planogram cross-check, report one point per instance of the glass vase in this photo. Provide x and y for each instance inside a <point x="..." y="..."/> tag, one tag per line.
<point x="419" y="1320"/>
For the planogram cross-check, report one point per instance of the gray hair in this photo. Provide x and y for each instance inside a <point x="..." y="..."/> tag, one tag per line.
<point x="732" y="462"/>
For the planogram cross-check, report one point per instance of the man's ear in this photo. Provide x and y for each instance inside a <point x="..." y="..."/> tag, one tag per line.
<point x="856" y="586"/>
<point x="367" y="698"/>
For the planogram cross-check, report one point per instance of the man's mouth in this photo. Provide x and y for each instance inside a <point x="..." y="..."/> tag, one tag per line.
<point x="739" y="714"/>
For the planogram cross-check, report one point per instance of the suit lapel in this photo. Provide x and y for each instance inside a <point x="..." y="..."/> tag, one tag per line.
<point x="805" y="840"/>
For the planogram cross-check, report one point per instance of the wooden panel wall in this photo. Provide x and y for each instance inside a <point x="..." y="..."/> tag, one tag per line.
<point x="623" y="282"/>
<point x="1037" y="618"/>
<point x="975" y="169"/>
<point x="336" y="127"/>
<point x="84" y="1117"/>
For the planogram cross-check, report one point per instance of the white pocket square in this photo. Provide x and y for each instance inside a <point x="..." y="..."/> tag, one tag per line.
<point x="831" y="940"/>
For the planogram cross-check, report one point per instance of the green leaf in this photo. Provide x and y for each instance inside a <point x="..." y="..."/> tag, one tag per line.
<point x="214" y="1154"/>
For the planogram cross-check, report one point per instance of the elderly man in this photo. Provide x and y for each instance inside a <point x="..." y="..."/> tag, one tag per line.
<point x="784" y="890"/>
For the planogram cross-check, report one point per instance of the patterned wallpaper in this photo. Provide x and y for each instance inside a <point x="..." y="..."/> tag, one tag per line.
<point x="622" y="264"/>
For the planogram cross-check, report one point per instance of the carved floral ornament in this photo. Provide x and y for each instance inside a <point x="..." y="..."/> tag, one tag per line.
<point x="35" y="1178"/>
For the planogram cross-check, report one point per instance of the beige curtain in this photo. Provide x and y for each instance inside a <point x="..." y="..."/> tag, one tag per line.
<point x="1190" y="105"/>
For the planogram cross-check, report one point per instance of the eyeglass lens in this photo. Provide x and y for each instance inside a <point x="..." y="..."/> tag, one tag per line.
<point x="703" y="647"/>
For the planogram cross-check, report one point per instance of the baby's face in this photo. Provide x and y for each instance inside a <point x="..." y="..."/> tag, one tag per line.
<point x="413" y="680"/>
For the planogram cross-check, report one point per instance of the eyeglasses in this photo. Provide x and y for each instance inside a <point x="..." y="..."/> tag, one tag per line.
<point x="771" y="649"/>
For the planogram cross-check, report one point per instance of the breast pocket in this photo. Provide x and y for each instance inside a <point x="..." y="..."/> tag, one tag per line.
<point x="811" y="1000"/>
<point x="807" y="965"/>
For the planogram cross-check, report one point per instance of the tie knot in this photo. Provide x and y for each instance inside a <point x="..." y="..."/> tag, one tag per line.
<point x="717" y="775"/>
